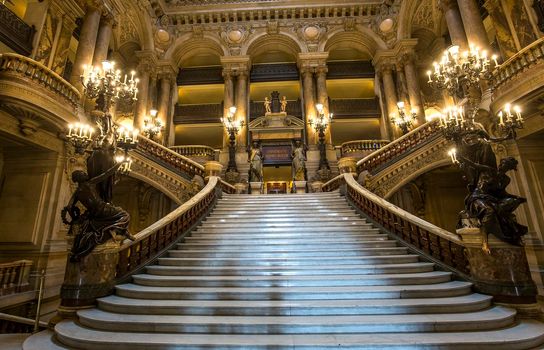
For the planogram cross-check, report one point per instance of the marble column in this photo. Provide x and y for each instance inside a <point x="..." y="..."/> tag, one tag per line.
<point x="165" y="93"/>
<point x="141" y="111"/>
<point x="385" y="130"/>
<point x="472" y="22"/>
<point x="87" y="43"/>
<point x="241" y="104"/>
<point x="391" y="98"/>
<point x="309" y="99"/>
<point x="454" y="23"/>
<point x="171" y="136"/>
<point x="228" y="99"/>
<point x="414" y="90"/>
<point x="152" y="102"/>
<point x="323" y="96"/>
<point x="103" y="40"/>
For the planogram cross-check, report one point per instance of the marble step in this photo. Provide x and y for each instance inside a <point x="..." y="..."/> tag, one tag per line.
<point x="338" y="202"/>
<point x="287" y="215"/>
<point x="306" y="219"/>
<point x="247" y="239"/>
<point x="495" y="317"/>
<point x="291" y="281"/>
<point x="259" y="212"/>
<point x="446" y="289"/>
<point x="464" y="303"/>
<point x="303" y="229"/>
<point x="248" y="253"/>
<point x="281" y="208"/>
<point x="524" y="335"/>
<point x="289" y="261"/>
<point x="233" y="224"/>
<point x="293" y="246"/>
<point x="301" y="235"/>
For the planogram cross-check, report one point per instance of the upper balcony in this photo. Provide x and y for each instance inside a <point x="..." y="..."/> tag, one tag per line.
<point x="35" y="94"/>
<point x="14" y="32"/>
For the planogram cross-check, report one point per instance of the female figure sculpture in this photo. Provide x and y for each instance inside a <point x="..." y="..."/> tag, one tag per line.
<point x="299" y="162"/>
<point x="256" y="163"/>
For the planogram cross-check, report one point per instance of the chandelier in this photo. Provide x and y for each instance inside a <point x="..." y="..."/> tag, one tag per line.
<point x="152" y="125"/>
<point x="232" y="126"/>
<point x="404" y="120"/>
<point x="322" y="121"/>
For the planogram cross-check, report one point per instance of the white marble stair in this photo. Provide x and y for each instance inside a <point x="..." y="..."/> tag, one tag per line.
<point x="294" y="272"/>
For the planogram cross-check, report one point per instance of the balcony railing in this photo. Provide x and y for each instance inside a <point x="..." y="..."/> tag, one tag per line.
<point x="355" y="107"/>
<point x="442" y="246"/>
<point x="361" y="147"/>
<point x="20" y="66"/>
<point x="520" y="62"/>
<point x="14" y="32"/>
<point x="198" y="153"/>
<point x="399" y="148"/>
<point x="14" y="277"/>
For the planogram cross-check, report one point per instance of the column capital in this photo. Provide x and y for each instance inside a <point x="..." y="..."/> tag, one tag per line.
<point x="491" y="5"/>
<point x="147" y="61"/>
<point x="321" y="70"/>
<point x="312" y="60"/>
<point x="166" y="70"/>
<point x="446" y="5"/>
<point x="235" y="65"/>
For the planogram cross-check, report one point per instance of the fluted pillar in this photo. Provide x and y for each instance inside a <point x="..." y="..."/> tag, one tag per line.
<point x="86" y="46"/>
<point x="414" y="90"/>
<point x="454" y="23"/>
<point x="103" y="40"/>
<point x="472" y="22"/>
<point x="309" y="99"/>
<point x="241" y="104"/>
<point x="391" y="98"/>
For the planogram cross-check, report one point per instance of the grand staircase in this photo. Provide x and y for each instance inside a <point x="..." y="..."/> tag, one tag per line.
<point x="294" y="272"/>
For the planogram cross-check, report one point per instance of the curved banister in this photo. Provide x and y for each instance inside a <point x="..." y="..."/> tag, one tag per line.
<point x="41" y="74"/>
<point x="154" y="240"/>
<point x="443" y="246"/>
<point x="227" y="188"/>
<point x="398" y="147"/>
<point x="195" y="151"/>
<point x="361" y="145"/>
<point x="333" y="184"/>
<point x="169" y="157"/>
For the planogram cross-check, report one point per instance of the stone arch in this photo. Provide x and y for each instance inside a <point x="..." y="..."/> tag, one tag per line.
<point x="364" y="41"/>
<point x="187" y="46"/>
<point x="141" y="177"/>
<point x="281" y="41"/>
<point x="407" y="11"/>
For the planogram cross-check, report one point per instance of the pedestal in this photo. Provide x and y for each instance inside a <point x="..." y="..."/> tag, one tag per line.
<point x="213" y="168"/>
<point x="240" y="187"/>
<point x="256" y="187"/>
<point x="91" y="278"/>
<point x="300" y="186"/>
<point x="503" y="273"/>
<point x="347" y="165"/>
<point x="317" y="186"/>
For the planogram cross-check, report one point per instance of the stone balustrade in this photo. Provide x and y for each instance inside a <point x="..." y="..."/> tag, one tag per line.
<point x="199" y="153"/>
<point x="399" y="148"/>
<point x="14" y="64"/>
<point x="14" y="277"/>
<point x="15" y="32"/>
<point x="185" y="166"/>
<point x="361" y="148"/>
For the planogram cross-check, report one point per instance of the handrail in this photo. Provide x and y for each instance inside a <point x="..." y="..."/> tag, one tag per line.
<point x="398" y="147"/>
<point x="227" y="188"/>
<point x="12" y="62"/>
<point x="170" y="157"/>
<point x="333" y="184"/>
<point x="152" y="241"/>
<point x="14" y="277"/>
<point x="517" y="63"/>
<point x="195" y="151"/>
<point x="361" y="145"/>
<point x="438" y="243"/>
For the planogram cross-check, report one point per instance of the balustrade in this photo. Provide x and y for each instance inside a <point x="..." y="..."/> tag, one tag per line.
<point x="14" y="277"/>
<point x="197" y="152"/>
<point x="361" y="146"/>
<point x="400" y="147"/>
<point x="14" y="64"/>
<point x="170" y="158"/>
<point x="15" y="31"/>
<point x="441" y="245"/>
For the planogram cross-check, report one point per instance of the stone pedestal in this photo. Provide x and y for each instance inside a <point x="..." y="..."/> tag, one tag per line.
<point x="317" y="186"/>
<point x="213" y="168"/>
<point x="347" y="165"/>
<point x="91" y="278"/>
<point x="503" y="273"/>
<point x="256" y="187"/>
<point x="232" y="177"/>
<point x="300" y="186"/>
<point x="240" y="187"/>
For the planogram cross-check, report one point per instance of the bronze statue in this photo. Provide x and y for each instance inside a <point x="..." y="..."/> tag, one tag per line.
<point x="101" y="220"/>
<point x="256" y="163"/>
<point x="299" y="162"/>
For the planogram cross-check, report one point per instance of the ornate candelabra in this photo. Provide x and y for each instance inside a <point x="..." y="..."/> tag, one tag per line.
<point x="488" y="206"/>
<point x="152" y="125"/>
<point x="232" y="126"/>
<point x="404" y="120"/>
<point x="320" y="125"/>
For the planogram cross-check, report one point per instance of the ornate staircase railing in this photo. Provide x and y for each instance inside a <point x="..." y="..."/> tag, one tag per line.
<point x="14" y="277"/>
<point x="197" y="153"/>
<point x="442" y="246"/>
<point x="362" y="147"/>
<point x="153" y="241"/>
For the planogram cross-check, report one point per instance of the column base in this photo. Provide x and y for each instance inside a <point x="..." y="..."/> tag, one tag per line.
<point x="256" y="188"/>
<point x="300" y="186"/>
<point x="503" y="272"/>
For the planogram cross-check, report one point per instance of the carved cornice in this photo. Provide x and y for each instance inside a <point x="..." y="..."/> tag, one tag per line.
<point x="312" y="60"/>
<point x="236" y="65"/>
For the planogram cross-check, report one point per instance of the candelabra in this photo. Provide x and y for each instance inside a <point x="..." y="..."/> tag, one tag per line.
<point x="404" y="120"/>
<point x="320" y="125"/>
<point x="152" y="125"/>
<point x="232" y="126"/>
